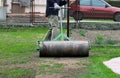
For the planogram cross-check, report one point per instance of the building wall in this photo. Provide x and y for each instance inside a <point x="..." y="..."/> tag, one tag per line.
<point x="39" y="6"/>
<point x="1" y="3"/>
<point x="9" y="6"/>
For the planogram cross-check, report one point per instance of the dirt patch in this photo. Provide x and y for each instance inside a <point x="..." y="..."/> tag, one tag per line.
<point x="91" y="35"/>
<point x="54" y="76"/>
<point x="71" y="67"/>
<point x="44" y="67"/>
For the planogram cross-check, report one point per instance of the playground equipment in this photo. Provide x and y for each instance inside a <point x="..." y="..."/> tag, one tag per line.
<point x="56" y="48"/>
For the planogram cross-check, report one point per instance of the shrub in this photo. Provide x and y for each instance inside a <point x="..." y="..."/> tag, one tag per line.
<point x="82" y="32"/>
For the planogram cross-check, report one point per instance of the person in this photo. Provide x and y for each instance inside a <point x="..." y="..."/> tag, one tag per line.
<point x="52" y="10"/>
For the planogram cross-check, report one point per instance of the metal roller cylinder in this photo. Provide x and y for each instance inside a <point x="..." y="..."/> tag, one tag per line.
<point x="64" y="49"/>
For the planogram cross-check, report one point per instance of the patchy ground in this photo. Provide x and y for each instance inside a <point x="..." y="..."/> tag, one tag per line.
<point x="63" y="67"/>
<point x="48" y="67"/>
<point x="108" y="36"/>
<point x="59" y="67"/>
<point x="91" y="35"/>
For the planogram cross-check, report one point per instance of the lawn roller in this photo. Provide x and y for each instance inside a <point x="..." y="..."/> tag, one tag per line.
<point x="61" y="48"/>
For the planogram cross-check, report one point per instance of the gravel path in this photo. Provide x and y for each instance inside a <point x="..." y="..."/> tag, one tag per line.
<point x="113" y="64"/>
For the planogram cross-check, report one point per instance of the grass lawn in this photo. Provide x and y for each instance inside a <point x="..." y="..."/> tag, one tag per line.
<point x="19" y="58"/>
<point x="93" y="20"/>
<point x="98" y="20"/>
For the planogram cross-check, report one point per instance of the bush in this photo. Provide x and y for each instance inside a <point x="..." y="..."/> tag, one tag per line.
<point x="112" y="42"/>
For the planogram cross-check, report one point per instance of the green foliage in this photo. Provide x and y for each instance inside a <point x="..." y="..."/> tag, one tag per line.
<point x="70" y="31"/>
<point x="82" y="32"/>
<point x="58" y="65"/>
<point x="112" y="42"/>
<point x="99" y="39"/>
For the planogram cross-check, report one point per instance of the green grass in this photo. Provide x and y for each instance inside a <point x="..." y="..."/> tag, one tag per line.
<point x="95" y="20"/>
<point x="96" y="68"/>
<point x="98" y="20"/>
<point x="20" y="39"/>
<point x="16" y="73"/>
<point x="19" y="43"/>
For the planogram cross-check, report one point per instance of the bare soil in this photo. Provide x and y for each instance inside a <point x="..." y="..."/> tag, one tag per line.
<point x="69" y="68"/>
<point x="91" y="35"/>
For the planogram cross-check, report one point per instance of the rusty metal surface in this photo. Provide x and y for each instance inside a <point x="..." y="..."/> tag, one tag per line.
<point x="64" y="49"/>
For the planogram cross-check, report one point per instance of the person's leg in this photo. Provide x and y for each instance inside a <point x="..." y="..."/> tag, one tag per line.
<point x="54" y="25"/>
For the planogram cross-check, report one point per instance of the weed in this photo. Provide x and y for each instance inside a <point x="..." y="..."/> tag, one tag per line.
<point x="112" y="42"/>
<point x="58" y="65"/>
<point x="82" y="32"/>
<point x="99" y="39"/>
